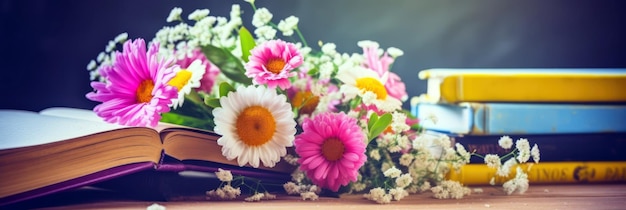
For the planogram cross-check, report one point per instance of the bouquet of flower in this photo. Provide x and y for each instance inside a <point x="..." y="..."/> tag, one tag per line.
<point x="342" y="112"/>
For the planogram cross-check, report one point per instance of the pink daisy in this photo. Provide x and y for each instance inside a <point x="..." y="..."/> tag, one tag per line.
<point x="331" y="149"/>
<point x="271" y="62"/>
<point x="212" y="71"/>
<point x="394" y="85"/>
<point x="135" y="91"/>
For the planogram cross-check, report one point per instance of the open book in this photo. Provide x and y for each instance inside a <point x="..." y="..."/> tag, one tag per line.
<point x="65" y="148"/>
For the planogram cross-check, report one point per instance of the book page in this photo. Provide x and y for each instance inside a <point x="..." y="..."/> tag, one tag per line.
<point x="75" y="113"/>
<point x="22" y="128"/>
<point x="84" y="114"/>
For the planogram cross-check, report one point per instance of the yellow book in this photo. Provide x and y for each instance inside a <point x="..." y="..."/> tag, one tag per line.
<point x="525" y="85"/>
<point x="546" y="173"/>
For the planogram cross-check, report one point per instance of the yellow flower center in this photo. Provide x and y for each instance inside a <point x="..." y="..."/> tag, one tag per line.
<point x="255" y="125"/>
<point x="144" y="91"/>
<point x="371" y="84"/>
<point x="181" y="79"/>
<point x="275" y="65"/>
<point x="306" y="101"/>
<point x="333" y="149"/>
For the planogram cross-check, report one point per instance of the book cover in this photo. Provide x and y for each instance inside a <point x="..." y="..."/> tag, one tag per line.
<point x="521" y="118"/>
<point x="566" y="172"/>
<point x="555" y="147"/>
<point x="525" y="85"/>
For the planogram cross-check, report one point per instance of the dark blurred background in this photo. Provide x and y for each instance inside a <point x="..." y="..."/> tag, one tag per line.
<point x="46" y="45"/>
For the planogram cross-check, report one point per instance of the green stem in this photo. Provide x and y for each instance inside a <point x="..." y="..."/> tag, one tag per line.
<point x="301" y="37"/>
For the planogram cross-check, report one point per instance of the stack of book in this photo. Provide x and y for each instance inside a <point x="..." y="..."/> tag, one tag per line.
<point x="577" y="117"/>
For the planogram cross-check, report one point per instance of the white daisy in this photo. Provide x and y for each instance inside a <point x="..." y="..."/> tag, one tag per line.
<point x="360" y="80"/>
<point x="186" y="80"/>
<point x="256" y="124"/>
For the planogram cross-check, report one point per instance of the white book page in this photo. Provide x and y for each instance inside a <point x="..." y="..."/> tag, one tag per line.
<point x="22" y="128"/>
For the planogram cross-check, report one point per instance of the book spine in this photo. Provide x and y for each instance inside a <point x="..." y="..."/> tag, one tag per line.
<point x="546" y="173"/>
<point x="572" y="147"/>
<point x="544" y="88"/>
<point x="522" y="118"/>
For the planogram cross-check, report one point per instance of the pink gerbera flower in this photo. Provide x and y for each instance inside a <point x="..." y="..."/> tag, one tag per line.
<point x="135" y="90"/>
<point x="212" y="71"/>
<point x="331" y="149"/>
<point x="271" y="62"/>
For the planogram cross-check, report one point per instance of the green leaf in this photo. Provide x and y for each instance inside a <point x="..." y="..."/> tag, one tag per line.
<point x="380" y="125"/>
<point x="185" y="120"/>
<point x="225" y="88"/>
<point x="212" y="102"/>
<point x="247" y="43"/>
<point x="373" y="119"/>
<point x="229" y="65"/>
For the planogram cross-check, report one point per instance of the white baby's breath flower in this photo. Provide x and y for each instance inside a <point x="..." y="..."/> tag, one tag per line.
<point x="374" y="154"/>
<point x="505" y="142"/>
<point x="518" y="184"/>
<point x="505" y="169"/>
<point x="298" y="175"/>
<point x="288" y="25"/>
<point x="291" y="188"/>
<point x="265" y="32"/>
<point x="378" y="195"/>
<point x="367" y="44"/>
<point x="198" y="14"/>
<point x="393" y="172"/>
<point x="404" y="180"/>
<point x="224" y="175"/>
<point x="110" y="46"/>
<point x="235" y="11"/>
<point x="329" y="49"/>
<point x="101" y="57"/>
<point x="386" y="166"/>
<point x="121" y="38"/>
<point x="269" y="196"/>
<point x="406" y="159"/>
<point x="463" y="153"/>
<point x="492" y="160"/>
<point x="398" y="193"/>
<point x="155" y="206"/>
<point x="326" y="70"/>
<point x="450" y="189"/>
<point x="535" y="153"/>
<point x="395" y="52"/>
<point x="92" y="65"/>
<point x="398" y="123"/>
<point x="255" y="197"/>
<point x="309" y="196"/>
<point x="174" y="14"/>
<point x="261" y="17"/>
<point x="523" y="146"/>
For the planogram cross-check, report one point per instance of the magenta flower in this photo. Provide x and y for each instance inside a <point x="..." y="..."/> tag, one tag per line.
<point x="331" y="149"/>
<point x="212" y="71"/>
<point x="271" y="62"/>
<point x="135" y="91"/>
<point x="394" y="85"/>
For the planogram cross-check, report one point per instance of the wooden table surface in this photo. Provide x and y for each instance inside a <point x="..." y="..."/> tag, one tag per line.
<point x="589" y="196"/>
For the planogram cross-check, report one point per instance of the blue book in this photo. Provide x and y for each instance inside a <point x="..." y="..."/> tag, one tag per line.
<point x="521" y="118"/>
